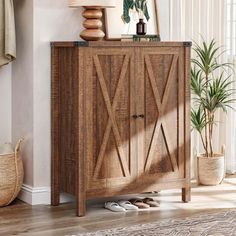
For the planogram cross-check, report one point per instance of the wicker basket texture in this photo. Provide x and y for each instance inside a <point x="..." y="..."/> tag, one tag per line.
<point x="211" y="169"/>
<point x="11" y="175"/>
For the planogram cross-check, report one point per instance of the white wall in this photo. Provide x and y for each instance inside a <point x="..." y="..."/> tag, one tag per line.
<point x="38" y="23"/>
<point x="22" y="85"/>
<point x="164" y="18"/>
<point x="5" y="104"/>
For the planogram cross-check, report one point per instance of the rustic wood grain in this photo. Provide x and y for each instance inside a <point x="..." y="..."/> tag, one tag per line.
<point x="55" y="128"/>
<point x="161" y="105"/>
<point x="80" y="162"/>
<point x="120" y="119"/>
<point x="180" y="115"/>
<point x="109" y="124"/>
<point x="111" y="171"/>
<point x="123" y="44"/>
<point x="186" y="192"/>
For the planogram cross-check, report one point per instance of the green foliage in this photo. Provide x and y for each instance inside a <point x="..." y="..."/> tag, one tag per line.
<point x="207" y="57"/>
<point x="218" y="95"/>
<point x="140" y="6"/>
<point x="198" y="120"/>
<point x="212" y="90"/>
<point x="127" y="5"/>
<point x="196" y="81"/>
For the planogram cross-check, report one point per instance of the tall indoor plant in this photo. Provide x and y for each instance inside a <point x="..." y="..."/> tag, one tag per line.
<point x="211" y="85"/>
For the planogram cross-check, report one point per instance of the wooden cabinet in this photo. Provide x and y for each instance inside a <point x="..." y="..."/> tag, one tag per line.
<point x="120" y="119"/>
<point x="109" y="104"/>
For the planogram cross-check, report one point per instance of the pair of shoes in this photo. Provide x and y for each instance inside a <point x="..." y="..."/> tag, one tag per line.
<point x="120" y="206"/>
<point x="144" y="203"/>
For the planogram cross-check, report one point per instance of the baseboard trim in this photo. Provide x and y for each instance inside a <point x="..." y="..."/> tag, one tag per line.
<point x="40" y="195"/>
<point x="35" y="195"/>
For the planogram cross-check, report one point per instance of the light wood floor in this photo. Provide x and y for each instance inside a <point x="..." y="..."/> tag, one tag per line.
<point x="22" y="219"/>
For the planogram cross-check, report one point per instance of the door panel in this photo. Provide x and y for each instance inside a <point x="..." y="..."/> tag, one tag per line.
<point x="108" y="108"/>
<point x="163" y="113"/>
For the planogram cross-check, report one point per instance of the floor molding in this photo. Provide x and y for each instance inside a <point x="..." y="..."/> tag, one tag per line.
<point x="40" y="195"/>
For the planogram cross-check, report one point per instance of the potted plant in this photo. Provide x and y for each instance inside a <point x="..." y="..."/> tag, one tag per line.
<point x="212" y="91"/>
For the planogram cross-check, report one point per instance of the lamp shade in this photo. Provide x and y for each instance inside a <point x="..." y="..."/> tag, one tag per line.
<point x="94" y="3"/>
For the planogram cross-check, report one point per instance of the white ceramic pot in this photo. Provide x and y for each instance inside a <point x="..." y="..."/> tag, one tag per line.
<point x="211" y="170"/>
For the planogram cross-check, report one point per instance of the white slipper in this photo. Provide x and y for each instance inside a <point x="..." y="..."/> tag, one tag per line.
<point x="113" y="206"/>
<point x="127" y="205"/>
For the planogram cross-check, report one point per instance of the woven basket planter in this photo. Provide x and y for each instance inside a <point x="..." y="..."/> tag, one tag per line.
<point x="211" y="170"/>
<point x="11" y="176"/>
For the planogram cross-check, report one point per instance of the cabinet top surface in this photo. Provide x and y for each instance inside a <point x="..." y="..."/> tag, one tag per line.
<point x="119" y="44"/>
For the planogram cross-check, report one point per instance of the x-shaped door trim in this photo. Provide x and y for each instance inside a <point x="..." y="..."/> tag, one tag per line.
<point x="161" y="105"/>
<point x="111" y="121"/>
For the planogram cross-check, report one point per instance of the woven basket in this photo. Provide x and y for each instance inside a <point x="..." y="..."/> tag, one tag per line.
<point x="11" y="175"/>
<point x="211" y="169"/>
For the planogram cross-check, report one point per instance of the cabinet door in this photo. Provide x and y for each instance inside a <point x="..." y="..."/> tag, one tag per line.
<point x="109" y="79"/>
<point x="161" y="138"/>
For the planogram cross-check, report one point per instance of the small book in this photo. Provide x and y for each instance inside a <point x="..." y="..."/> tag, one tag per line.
<point x="127" y="37"/>
<point x="140" y="38"/>
<point x="148" y="38"/>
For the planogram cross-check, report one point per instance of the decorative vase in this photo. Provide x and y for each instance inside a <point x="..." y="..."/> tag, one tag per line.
<point x="93" y="17"/>
<point x="141" y="27"/>
<point x="211" y="170"/>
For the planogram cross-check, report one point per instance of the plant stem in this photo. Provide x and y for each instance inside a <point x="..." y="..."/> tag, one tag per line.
<point x="211" y="132"/>
<point x="209" y="116"/>
<point x="207" y="119"/>
<point x="206" y="135"/>
<point x="204" y="146"/>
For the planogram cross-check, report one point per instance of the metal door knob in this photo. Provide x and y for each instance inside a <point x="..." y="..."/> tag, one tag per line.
<point x="138" y="116"/>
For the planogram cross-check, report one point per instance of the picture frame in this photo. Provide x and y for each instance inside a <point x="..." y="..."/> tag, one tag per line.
<point x="116" y="28"/>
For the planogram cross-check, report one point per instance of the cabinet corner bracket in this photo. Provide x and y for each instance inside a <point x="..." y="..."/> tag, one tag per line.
<point x="187" y="44"/>
<point x="81" y="44"/>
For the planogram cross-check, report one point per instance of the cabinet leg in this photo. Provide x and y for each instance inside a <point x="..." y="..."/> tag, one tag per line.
<point x="186" y="194"/>
<point x="55" y="197"/>
<point x="55" y="173"/>
<point x="55" y="190"/>
<point x="81" y="207"/>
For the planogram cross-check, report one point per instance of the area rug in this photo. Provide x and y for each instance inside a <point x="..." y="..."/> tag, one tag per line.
<point x="214" y="224"/>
